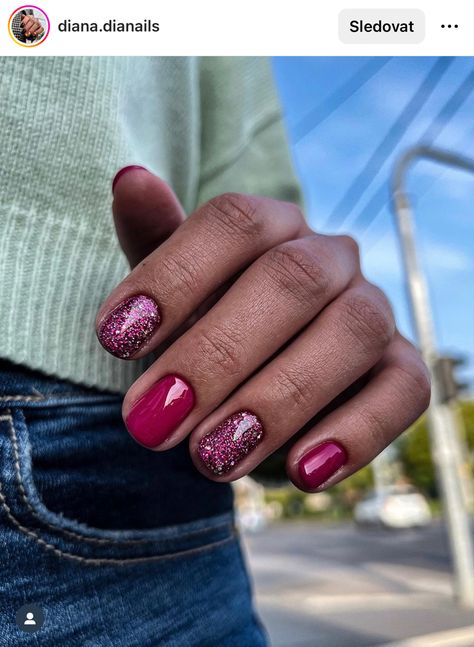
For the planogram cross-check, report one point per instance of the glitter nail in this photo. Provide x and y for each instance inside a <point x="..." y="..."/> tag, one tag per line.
<point x="129" y="325"/>
<point x="230" y="442"/>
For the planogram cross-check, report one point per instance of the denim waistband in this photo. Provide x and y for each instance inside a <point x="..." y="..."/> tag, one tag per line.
<point x="25" y="385"/>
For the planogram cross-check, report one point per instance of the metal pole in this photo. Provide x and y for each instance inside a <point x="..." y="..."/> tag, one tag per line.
<point x="442" y="423"/>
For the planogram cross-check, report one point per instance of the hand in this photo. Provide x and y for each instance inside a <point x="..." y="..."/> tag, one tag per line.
<point x="287" y="324"/>
<point x="31" y="27"/>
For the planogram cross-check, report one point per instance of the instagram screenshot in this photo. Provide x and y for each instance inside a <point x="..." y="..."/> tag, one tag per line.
<point x="237" y="324"/>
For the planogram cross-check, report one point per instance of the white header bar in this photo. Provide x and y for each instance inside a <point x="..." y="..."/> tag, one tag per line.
<point x="247" y="27"/>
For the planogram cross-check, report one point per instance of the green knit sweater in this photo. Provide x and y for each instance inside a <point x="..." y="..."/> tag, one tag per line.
<point x="66" y="125"/>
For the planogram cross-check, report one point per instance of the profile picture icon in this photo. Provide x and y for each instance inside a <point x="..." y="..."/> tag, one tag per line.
<point x="28" y="26"/>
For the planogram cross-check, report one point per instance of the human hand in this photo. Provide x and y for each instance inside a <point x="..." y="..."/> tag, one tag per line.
<point x="31" y="26"/>
<point x="287" y="323"/>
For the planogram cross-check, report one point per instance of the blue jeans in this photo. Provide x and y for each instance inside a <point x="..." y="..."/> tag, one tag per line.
<point x="117" y="544"/>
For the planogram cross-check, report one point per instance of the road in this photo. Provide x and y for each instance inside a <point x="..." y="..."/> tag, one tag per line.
<point x="339" y="586"/>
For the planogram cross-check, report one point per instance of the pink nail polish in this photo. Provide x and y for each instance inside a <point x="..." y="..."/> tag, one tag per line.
<point x="126" y="169"/>
<point x="320" y="463"/>
<point x="129" y="326"/>
<point x="160" y="410"/>
<point x="230" y="442"/>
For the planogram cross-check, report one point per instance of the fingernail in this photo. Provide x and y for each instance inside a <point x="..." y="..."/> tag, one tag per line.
<point x="230" y="442"/>
<point x="125" y="169"/>
<point x="320" y="463"/>
<point x="160" y="410"/>
<point x="129" y="326"/>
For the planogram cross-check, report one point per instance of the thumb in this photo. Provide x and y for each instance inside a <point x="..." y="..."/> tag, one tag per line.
<point x="146" y="211"/>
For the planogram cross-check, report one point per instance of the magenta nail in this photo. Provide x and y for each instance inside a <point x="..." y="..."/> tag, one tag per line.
<point x="129" y="326"/>
<point x="126" y="169"/>
<point x="230" y="442"/>
<point x="320" y="463"/>
<point x="156" y="415"/>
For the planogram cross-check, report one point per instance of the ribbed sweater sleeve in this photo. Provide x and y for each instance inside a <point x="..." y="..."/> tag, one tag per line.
<point x="66" y="126"/>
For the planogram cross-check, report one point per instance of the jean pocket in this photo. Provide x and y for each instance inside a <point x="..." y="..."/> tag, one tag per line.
<point x="24" y="508"/>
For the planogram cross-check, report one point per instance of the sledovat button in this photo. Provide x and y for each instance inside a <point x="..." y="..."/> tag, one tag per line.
<point x="381" y="26"/>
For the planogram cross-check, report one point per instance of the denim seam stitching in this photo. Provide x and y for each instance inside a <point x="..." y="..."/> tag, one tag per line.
<point x="104" y="560"/>
<point x="69" y="533"/>
<point x="24" y="498"/>
<point x="59" y="396"/>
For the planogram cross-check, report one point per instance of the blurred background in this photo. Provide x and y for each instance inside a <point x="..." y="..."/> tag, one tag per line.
<point x="384" y="558"/>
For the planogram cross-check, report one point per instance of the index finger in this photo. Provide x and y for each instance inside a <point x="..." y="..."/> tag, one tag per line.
<point x="219" y="240"/>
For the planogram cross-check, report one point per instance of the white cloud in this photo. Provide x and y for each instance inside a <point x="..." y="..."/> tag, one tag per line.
<point x="383" y="263"/>
<point x="445" y="258"/>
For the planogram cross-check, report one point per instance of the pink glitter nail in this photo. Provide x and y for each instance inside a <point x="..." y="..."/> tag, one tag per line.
<point x="129" y="325"/>
<point x="230" y="442"/>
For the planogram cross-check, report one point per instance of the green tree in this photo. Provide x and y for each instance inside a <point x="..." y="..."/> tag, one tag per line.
<point x="467" y="411"/>
<point x="415" y="456"/>
<point x="415" y="452"/>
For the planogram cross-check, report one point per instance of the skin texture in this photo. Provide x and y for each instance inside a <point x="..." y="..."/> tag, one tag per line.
<point x="261" y="314"/>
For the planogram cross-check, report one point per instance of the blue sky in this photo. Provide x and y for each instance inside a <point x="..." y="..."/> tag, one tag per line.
<point x="332" y="154"/>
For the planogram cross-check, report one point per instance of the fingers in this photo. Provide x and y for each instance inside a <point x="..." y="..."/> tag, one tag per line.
<point x="275" y="298"/>
<point x="356" y="432"/>
<point x="146" y="212"/>
<point x="343" y="343"/>
<point x="27" y="23"/>
<point x="31" y="26"/>
<point x="219" y="240"/>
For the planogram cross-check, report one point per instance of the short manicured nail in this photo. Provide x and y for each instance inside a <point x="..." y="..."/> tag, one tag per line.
<point x="126" y="169"/>
<point x="129" y="326"/>
<point x="230" y="442"/>
<point x="320" y="463"/>
<point x="155" y="416"/>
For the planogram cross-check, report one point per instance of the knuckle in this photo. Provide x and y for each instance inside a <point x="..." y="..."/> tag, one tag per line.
<point x="415" y="378"/>
<point x="236" y="215"/>
<point x="296" y="270"/>
<point x="218" y="347"/>
<point x="368" y="317"/>
<point x="182" y="272"/>
<point x="293" y="389"/>
<point x="351" y="244"/>
<point x="294" y="211"/>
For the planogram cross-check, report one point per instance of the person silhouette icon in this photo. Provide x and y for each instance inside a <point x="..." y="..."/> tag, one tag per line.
<point x="30" y="619"/>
